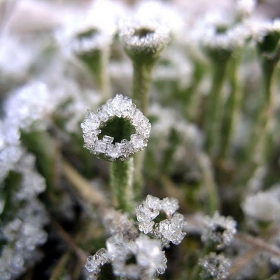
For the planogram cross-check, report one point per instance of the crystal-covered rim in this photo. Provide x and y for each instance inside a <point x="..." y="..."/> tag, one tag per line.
<point x="121" y="107"/>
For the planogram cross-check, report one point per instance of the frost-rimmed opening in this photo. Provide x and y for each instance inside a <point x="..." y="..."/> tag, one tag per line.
<point x="167" y="230"/>
<point x="120" y="107"/>
<point x="144" y="36"/>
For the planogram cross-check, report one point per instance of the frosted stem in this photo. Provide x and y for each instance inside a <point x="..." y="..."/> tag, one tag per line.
<point x="214" y="109"/>
<point x="121" y="180"/>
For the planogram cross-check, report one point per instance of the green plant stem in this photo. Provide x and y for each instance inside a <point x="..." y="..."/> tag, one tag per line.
<point x="193" y="98"/>
<point x="140" y="96"/>
<point x="45" y="148"/>
<point x="261" y="139"/>
<point x="214" y="108"/>
<point x="141" y="85"/>
<point x="231" y="111"/>
<point x="213" y="203"/>
<point x="97" y="63"/>
<point x="121" y="180"/>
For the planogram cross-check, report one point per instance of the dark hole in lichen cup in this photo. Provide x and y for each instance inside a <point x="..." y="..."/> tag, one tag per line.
<point x="119" y="128"/>
<point x="161" y="216"/>
<point x="221" y="29"/>
<point x="219" y="229"/>
<point x="143" y="32"/>
<point x="89" y="33"/>
<point x="131" y="260"/>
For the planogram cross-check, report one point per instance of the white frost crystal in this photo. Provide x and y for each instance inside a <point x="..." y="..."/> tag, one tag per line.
<point x="120" y="107"/>
<point x="94" y="262"/>
<point x="214" y="267"/>
<point x="150" y="260"/>
<point x="29" y="106"/>
<point x="219" y="229"/>
<point x="167" y="230"/>
<point x="149" y="257"/>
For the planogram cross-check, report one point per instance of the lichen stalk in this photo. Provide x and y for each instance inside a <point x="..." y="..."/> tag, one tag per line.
<point x="214" y="109"/>
<point x="232" y="109"/>
<point x="121" y="181"/>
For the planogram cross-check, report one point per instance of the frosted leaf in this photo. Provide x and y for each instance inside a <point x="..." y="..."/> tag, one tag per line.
<point x="120" y="107"/>
<point x="214" y="267"/>
<point x="219" y="229"/>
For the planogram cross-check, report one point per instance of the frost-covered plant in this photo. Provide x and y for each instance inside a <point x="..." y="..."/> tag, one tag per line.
<point x="146" y="249"/>
<point x="219" y="230"/>
<point x="214" y="267"/>
<point x="187" y="155"/>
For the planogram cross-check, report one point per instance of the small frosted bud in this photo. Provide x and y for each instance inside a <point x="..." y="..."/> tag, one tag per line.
<point x="268" y="39"/>
<point x="219" y="229"/>
<point x="144" y="39"/>
<point x="214" y="267"/>
<point x="167" y="230"/>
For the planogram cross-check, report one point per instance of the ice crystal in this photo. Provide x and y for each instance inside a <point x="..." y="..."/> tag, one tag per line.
<point x="116" y="222"/>
<point x="214" y="267"/>
<point x="95" y="262"/>
<point x="120" y="107"/>
<point x="167" y="230"/>
<point x="219" y="229"/>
